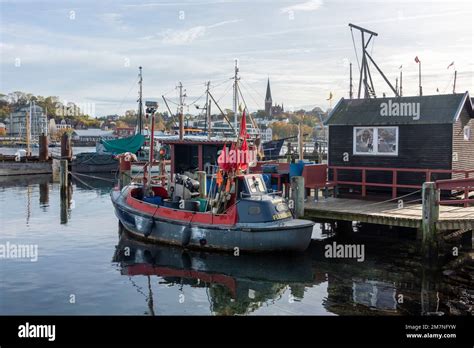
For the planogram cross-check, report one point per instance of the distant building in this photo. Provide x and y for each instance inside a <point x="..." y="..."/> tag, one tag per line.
<point x="112" y="118"/>
<point x="63" y="125"/>
<point x="270" y="109"/>
<point x="266" y="135"/>
<point x="90" y="136"/>
<point x="123" y="132"/>
<point x="18" y="121"/>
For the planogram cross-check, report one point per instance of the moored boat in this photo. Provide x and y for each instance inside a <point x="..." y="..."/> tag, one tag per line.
<point x="257" y="221"/>
<point x="226" y="210"/>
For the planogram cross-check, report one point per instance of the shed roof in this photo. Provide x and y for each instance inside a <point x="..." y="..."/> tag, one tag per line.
<point x="433" y="109"/>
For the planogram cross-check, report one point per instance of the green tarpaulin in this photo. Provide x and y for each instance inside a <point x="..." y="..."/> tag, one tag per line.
<point x="130" y="144"/>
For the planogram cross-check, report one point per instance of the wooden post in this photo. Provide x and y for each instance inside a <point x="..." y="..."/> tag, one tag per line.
<point x="43" y="148"/>
<point x="430" y="215"/>
<point x="202" y="178"/>
<point x="63" y="172"/>
<point x="125" y="170"/>
<point x="300" y="141"/>
<point x="66" y="151"/>
<point x="297" y="195"/>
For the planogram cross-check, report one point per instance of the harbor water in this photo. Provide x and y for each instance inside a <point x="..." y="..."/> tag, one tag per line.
<point x="85" y="264"/>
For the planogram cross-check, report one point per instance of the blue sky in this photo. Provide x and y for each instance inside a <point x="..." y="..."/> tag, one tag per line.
<point x="89" y="51"/>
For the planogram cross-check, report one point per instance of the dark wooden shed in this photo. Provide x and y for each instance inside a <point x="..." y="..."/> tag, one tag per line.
<point x="427" y="132"/>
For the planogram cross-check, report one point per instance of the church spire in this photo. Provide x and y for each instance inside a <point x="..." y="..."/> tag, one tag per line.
<point x="268" y="100"/>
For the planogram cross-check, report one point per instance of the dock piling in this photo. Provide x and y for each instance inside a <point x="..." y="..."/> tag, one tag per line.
<point x="125" y="170"/>
<point x="43" y="148"/>
<point x="297" y="195"/>
<point x="430" y="216"/>
<point x="63" y="172"/>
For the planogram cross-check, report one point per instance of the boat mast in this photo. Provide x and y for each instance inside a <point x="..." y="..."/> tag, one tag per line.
<point x="140" y="100"/>
<point x="236" y="96"/>
<point x="208" y="110"/>
<point x="180" y="111"/>
<point x="28" y="133"/>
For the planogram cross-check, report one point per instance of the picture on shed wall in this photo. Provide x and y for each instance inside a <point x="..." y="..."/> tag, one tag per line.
<point x="387" y="140"/>
<point x="364" y="140"/>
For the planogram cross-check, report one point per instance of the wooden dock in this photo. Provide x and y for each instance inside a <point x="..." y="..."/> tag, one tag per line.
<point x="387" y="213"/>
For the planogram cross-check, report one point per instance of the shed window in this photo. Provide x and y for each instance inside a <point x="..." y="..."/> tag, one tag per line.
<point x="382" y="141"/>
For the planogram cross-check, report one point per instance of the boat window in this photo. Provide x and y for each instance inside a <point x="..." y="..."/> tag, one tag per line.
<point x="256" y="184"/>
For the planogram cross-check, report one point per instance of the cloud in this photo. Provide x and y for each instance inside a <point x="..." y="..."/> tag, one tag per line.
<point x="183" y="37"/>
<point x="311" y="5"/>
<point x="224" y="23"/>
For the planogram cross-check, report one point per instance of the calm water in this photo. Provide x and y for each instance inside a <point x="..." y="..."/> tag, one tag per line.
<point x="81" y="257"/>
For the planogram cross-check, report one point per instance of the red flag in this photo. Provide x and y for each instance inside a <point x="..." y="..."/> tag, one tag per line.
<point x="416" y="59"/>
<point x="243" y="165"/>
<point x="222" y="159"/>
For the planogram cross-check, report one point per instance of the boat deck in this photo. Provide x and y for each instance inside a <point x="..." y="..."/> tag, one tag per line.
<point x="386" y="213"/>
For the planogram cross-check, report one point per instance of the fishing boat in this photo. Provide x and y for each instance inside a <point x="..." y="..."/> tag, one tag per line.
<point x="236" y="213"/>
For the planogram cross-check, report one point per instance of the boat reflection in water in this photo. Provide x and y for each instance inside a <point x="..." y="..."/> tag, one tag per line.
<point x="235" y="284"/>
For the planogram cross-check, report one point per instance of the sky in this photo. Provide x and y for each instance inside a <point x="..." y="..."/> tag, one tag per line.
<point x="89" y="51"/>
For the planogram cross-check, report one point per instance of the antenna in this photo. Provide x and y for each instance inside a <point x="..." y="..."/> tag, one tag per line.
<point x="365" y="77"/>
<point x="236" y="95"/>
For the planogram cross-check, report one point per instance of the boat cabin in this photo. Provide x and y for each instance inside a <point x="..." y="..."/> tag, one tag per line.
<point x="190" y="155"/>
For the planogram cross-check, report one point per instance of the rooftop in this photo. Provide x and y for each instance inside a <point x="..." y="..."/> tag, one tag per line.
<point x="432" y="109"/>
<point x="93" y="132"/>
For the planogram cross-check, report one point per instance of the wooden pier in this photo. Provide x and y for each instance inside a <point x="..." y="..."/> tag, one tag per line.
<point x="387" y="213"/>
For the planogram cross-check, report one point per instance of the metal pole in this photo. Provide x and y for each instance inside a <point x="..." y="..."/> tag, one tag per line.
<point x="454" y="85"/>
<point x="152" y="148"/>
<point x="401" y="88"/>
<point x="419" y="78"/>
<point x="140" y="101"/>
<point x="350" y="81"/>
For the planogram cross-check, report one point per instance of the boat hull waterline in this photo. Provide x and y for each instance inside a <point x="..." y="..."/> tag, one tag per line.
<point x="284" y="235"/>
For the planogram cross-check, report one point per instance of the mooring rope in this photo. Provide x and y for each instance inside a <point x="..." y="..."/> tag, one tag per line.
<point x="92" y="176"/>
